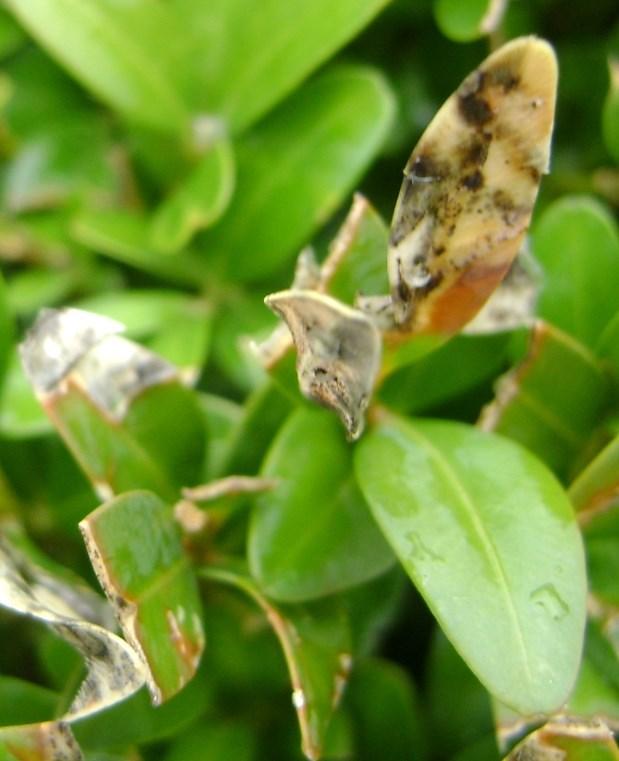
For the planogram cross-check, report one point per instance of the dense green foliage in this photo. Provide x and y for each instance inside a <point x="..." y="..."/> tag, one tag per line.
<point x="421" y="593"/>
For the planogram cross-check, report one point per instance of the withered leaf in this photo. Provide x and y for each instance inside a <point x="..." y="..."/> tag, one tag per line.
<point x="338" y="352"/>
<point x="469" y="189"/>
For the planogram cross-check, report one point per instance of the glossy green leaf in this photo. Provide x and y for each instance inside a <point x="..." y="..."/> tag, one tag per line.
<point x="240" y="63"/>
<point x="241" y="319"/>
<point x="135" y="546"/>
<point x="464" y="20"/>
<point x="451" y="370"/>
<point x="198" y="202"/>
<point x="264" y="411"/>
<point x="357" y="261"/>
<point x="313" y="535"/>
<point x="315" y="640"/>
<point x="117" y="50"/>
<point x="222" y="417"/>
<point x="454" y="725"/>
<point x="489" y="539"/>
<point x="553" y="419"/>
<point x="296" y="167"/>
<point x="124" y="236"/>
<point x="373" y="608"/>
<point x="387" y="714"/>
<point x="577" y="244"/>
<point x="610" y="114"/>
<point x="149" y="449"/>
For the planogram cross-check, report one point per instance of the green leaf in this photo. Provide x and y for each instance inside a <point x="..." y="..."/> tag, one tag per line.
<point x="240" y="63"/>
<point x="214" y="741"/>
<point x="386" y="712"/>
<point x="453" y="369"/>
<point x="597" y="487"/>
<point x="198" y="202"/>
<point x="11" y="35"/>
<point x="21" y="415"/>
<point x="296" y="166"/>
<point x="240" y="319"/>
<point x="463" y="20"/>
<point x="117" y="50"/>
<point x="357" y="261"/>
<point x="608" y="346"/>
<point x="577" y="243"/>
<point x="124" y="236"/>
<point x="6" y="330"/>
<point x="67" y="161"/>
<point x="169" y="322"/>
<point x="263" y="413"/>
<point x="315" y="640"/>
<point x="22" y="702"/>
<point x="313" y="535"/>
<point x="489" y="539"/>
<point x="610" y="113"/>
<point x="601" y="532"/>
<point x="135" y="547"/>
<point x="454" y="725"/>
<point x="554" y="420"/>
<point x="222" y="416"/>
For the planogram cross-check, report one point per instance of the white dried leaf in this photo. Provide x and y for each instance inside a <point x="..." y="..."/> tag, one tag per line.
<point x="58" y="340"/>
<point x="75" y="345"/>
<point x="338" y="352"/>
<point x="513" y="303"/>
<point x="114" y="669"/>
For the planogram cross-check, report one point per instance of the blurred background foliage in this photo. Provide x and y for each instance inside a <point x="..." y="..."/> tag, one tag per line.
<point x="163" y="162"/>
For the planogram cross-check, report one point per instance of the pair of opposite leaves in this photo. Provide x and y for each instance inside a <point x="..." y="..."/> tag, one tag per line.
<point x="464" y="207"/>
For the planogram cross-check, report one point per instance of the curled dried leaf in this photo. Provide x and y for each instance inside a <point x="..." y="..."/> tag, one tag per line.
<point x="114" y="669"/>
<point x="58" y="340"/>
<point x="75" y="345"/>
<point x="338" y="352"/>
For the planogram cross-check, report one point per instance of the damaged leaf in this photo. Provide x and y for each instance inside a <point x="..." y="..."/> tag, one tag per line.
<point x="469" y="189"/>
<point x="135" y="547"/>
<point x="315" y="640"/>
<point x="553" y="419"/>
<point x="48" y="741"/>
<point x="107" y="396"/>
<point x="114" y="669"/>
<point x="567" y="738"/>
<point x="338" y="352"/>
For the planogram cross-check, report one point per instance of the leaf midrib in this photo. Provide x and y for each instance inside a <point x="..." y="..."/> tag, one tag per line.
<point x="491" y="551"/>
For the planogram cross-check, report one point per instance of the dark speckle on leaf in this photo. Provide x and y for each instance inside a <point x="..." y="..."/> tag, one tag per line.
<point x="473" y="181"/>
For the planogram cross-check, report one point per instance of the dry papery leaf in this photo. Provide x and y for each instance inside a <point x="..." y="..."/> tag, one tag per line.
<point x="114" y="669"/>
